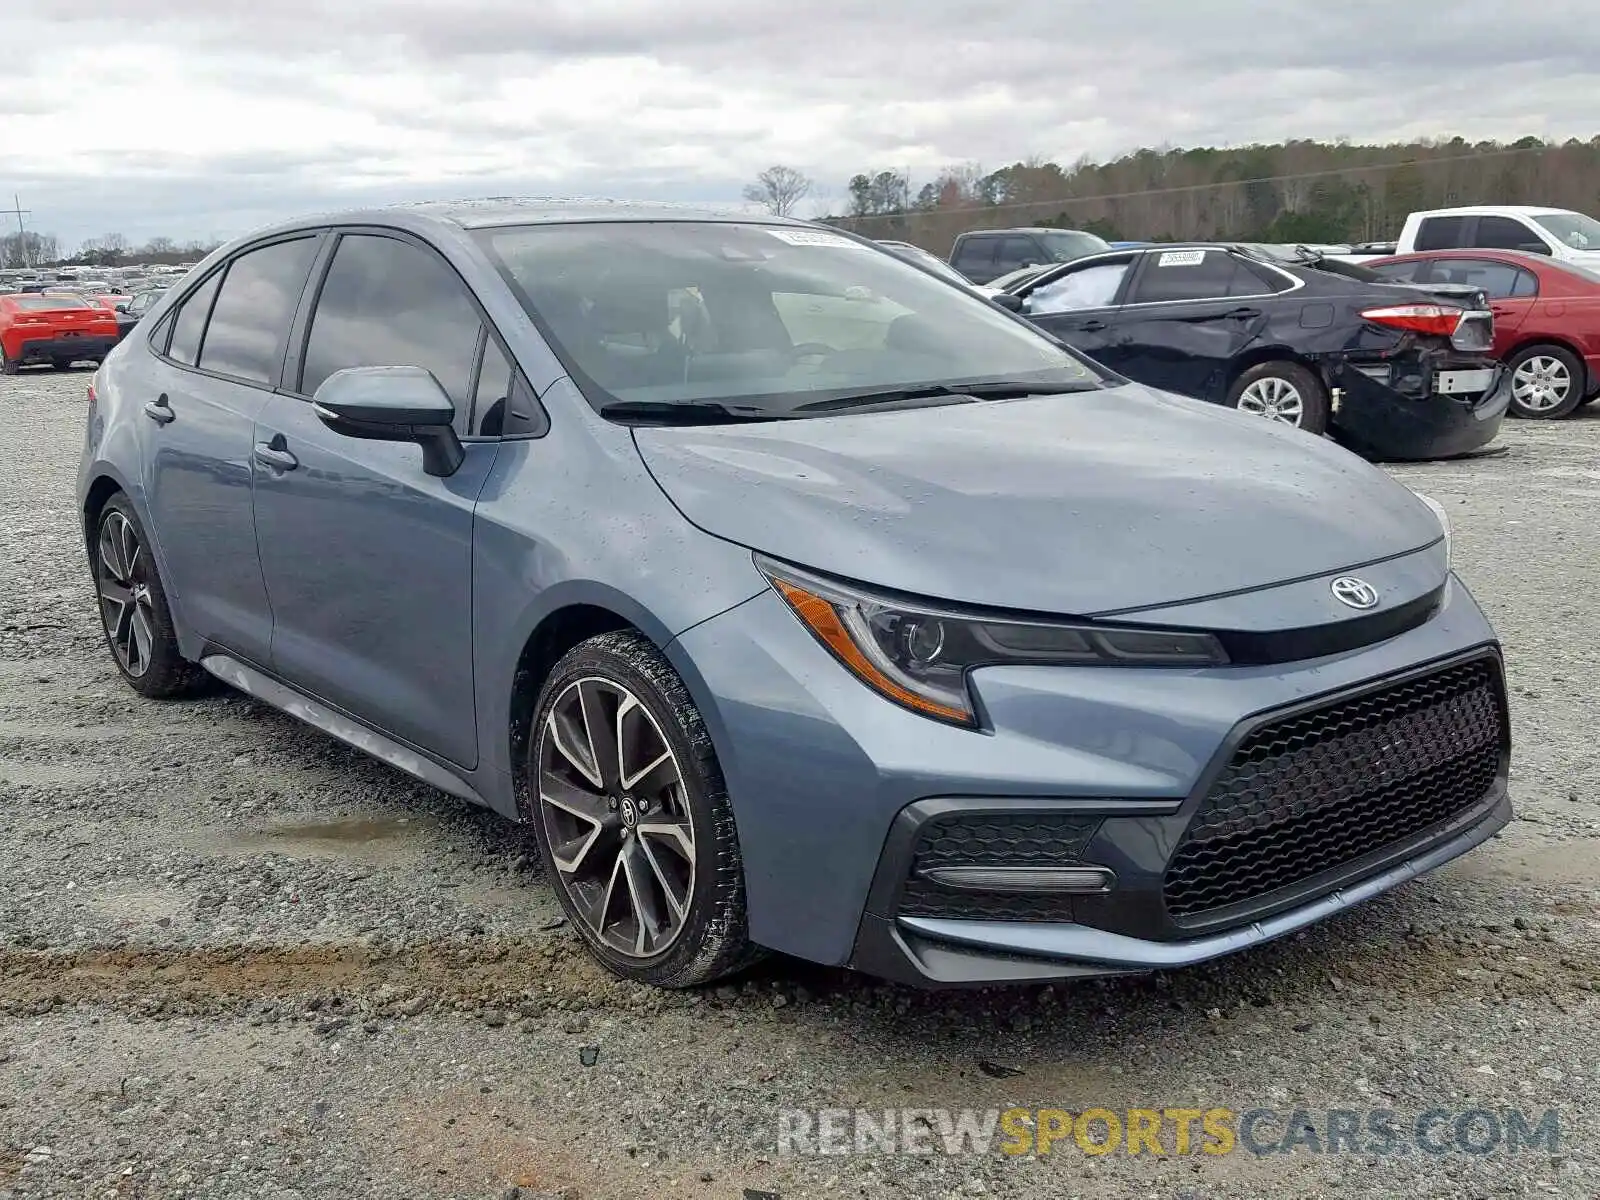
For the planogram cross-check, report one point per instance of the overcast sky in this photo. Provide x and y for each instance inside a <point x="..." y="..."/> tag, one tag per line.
<point x="196" y="118"/>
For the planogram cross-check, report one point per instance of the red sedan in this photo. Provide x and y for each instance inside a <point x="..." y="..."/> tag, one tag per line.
<point x="1546" y="319"/>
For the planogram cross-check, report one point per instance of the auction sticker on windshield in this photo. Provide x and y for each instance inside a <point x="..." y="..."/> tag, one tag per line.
<point x="1182" y="258"/>
<point x="807" y="237"/>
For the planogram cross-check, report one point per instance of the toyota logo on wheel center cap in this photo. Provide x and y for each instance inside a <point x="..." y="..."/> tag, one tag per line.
<point x="630" y="815"/>
<point x="1357" y="593"/>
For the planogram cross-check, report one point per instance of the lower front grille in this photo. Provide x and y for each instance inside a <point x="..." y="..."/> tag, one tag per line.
<point x="1324" y="788"/>
<point x="994" y="840"/>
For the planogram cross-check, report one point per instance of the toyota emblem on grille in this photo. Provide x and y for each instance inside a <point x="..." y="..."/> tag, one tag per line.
<point x="1357" y="593"/>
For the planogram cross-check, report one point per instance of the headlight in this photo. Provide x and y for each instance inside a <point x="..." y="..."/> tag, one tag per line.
<point x="919" y="655"/>
<point x="1444" y="524"/>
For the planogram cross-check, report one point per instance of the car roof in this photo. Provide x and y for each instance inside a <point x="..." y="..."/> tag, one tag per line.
<point x="1477" y="210"/>
<point x="495" y="211"/>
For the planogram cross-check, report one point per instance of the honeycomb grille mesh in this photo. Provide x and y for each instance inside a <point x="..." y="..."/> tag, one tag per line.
<point x="989" y="840"/>
<point x="1320" y="789"/>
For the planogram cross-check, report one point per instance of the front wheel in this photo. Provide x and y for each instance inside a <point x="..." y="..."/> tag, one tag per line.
<point x="633" y="819"/>
<point x="1282" y="391"/>
<point x="1546" y="382"/>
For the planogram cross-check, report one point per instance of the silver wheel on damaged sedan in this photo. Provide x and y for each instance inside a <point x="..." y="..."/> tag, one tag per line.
<point x="1545" y="383"/>
<point x="632" y="816"/>
<point x="1274" y="398"/>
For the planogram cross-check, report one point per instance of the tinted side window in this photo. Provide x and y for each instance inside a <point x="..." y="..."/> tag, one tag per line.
<point x="388" y="303"/>
<point x="189" y="323"/>
<point x="976" y="252"/>
<point x="1499" y="281"/>
<point x="1441" y="233"/>
<point x="1503" y="233"/>
<point x="1018" y="252"/>
<point x="251" y="317"/>
<point x="1193" y="275"/>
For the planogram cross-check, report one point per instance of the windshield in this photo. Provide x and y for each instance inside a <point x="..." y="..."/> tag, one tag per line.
<point x="1574" y="229"/>
<point x="1066" y="245"/>
<point x="927" y="260"/>
<point x="760" y="317"/>
<point x="45" y="303"/>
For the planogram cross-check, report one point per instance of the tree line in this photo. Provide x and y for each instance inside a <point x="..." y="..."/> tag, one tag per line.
<point x="30" y="249"/>
<point x="1296" y="191"/>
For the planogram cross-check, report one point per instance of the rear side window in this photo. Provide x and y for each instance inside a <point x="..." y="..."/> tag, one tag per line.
<point x="1193" y="275"/>
<point x="1442" y="233"/>
<point x="390" y="303"/>
<point x="189" y="324"/>
<point x="251" y="316"/>
<point x="1019" y="252"/>
<point x="1504" y="233"/>
<point x="1499" y="281"/>
<point x="1406" y="272"/>
<point x="976" y="252"/>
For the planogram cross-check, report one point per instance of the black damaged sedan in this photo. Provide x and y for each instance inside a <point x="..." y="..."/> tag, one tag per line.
<point x="1393" y="371"/>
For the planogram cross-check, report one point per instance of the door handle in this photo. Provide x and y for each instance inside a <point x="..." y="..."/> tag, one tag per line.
<point x="1244" y="314"/>
<point x="275" y="454"/>
<point x="159" y="411"/>
<point x="1090" y="326"/>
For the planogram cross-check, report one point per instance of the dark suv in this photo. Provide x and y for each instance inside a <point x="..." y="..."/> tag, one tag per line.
<point x="991" y="253"/>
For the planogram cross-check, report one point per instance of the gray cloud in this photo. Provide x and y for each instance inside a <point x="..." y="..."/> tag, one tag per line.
<point x="411" y="98"/>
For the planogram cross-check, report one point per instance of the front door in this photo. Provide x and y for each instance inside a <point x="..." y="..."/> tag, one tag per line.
<point x="368" y="559"/>
<point x="1078" y="305"/>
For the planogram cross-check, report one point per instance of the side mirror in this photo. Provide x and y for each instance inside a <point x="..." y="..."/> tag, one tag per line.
<point x="1008" y="302"/>
<point x="1536" y="248"/>
<point x="122" y="308"/>
<point x="393" y="404"/>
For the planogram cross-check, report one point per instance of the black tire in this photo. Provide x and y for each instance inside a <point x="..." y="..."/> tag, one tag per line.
<point x="1575" y="376"/>
<point x="8" y="365"/>
<point x="153" y="665"/>
<point x="1314" y="406"/>
<point x="710" y="940"/>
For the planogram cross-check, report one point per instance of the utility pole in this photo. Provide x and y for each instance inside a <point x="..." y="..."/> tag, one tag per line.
<point x="16" y="210"/>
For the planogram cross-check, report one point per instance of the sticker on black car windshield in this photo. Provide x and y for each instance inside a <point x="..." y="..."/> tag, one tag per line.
<point x="809" y="237"/>
<point x="1182" y="258"/>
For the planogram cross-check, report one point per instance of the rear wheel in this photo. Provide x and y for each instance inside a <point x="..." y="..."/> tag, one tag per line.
<point x="133" y="607"/>
<point x="1282" y="391"/>
<point x="8" y="365"/>
<point x="633" y="819"/>
<point x="1546" y="382"/>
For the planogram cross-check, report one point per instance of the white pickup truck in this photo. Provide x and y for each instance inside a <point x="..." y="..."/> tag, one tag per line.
<point x="1556" y="232"/>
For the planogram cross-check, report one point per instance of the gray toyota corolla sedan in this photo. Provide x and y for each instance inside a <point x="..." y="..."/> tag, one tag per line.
<point x="796" y="598"/>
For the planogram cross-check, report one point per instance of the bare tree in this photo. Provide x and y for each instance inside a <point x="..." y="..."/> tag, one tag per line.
<point x="160" y="245"/>
<point x="779" y="190"/>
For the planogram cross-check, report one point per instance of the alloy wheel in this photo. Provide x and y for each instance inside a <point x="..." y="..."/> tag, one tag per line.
<point x="1541" y="383"/>
<point x="611" y="797"/>
<point x="123" y="579"/>
<point x="1275" y="398"/>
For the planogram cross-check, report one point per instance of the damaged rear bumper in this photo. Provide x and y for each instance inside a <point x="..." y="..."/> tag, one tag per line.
<point x="1394" y="409"/>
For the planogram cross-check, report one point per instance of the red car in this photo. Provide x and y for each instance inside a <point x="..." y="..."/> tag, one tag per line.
<point x="55" y="328"/>
<point x="1546" y="319"/>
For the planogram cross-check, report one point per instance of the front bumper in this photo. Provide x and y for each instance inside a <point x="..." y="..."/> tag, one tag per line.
<point x="831" y="784"/>
<point x="1408" y="421"/>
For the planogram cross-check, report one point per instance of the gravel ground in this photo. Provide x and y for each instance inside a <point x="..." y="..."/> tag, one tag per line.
<point x="239" y="960"/>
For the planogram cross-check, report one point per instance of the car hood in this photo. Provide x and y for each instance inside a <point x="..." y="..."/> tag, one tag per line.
<point x="1081" y="504"/>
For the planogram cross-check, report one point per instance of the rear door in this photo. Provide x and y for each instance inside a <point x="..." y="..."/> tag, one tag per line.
<point x="1189" y="313"/>
<point x="368" y="559"/>
<point x="1078" y="305"/>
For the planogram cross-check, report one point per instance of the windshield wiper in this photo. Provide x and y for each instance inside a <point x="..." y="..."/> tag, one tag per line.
<point x="690" y="412"/>
<point x="948" y="393"/>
